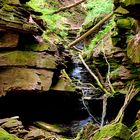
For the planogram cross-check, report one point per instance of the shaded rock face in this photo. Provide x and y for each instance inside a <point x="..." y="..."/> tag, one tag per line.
<point x="126" y="36"/>
<point x="27" y="61"/>
<point x="9" y="40"/>
<point x="16" y="79"/>
<point x="17" y="18"/>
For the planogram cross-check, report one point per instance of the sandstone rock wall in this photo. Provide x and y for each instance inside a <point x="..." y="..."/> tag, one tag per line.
<point x="27" y="61"/>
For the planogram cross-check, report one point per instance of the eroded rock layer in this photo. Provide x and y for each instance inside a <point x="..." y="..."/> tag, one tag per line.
<point x="27" y="61"/>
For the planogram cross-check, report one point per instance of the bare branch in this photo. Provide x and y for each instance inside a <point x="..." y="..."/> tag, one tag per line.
<point x="94" y="76"/>
<point x="108" y="73"/>
<point x="68" y="7"/>
<point x="89" y="32"/>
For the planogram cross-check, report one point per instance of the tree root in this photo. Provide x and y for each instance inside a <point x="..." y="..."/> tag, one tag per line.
<point x="132" y="92"/>
<point x="94" y="76"/>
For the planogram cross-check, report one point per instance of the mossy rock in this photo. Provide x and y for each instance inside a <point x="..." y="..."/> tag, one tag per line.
<point x="28" y="58"/>
<point x="87" y="132"/>
<point x="138" y="124"/>
<point x="121" y="10"/>
<point x="116" y="41"/>
<point x="113" y="131"/>
<point x="133" y="49"/>
<point x="12" y="1"/>
<point x="125" y="23"/>
<point x="120" y="73"/>
<point x="6" y="136"/>
<point x="130" y="2"/>
<point x="136" y="135"/>
<point x="64" y="83"/>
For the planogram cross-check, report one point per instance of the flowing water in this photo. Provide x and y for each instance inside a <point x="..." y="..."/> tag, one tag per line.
<point x="84" y="80"/>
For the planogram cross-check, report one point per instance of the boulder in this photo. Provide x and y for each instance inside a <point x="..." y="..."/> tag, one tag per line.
<point x="129" y="2"/>
<point x="23" y="79"/>
<point x="113" y="132"/>
<point x="121" y="10"/>
<point x="35" y="134"/>
<point x="11" y="124"/>
<point x="133" y="49"/>
<point x="125" y="23"/>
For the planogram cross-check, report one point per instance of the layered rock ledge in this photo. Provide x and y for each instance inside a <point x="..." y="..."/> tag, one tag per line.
<point x="27" y="61"/>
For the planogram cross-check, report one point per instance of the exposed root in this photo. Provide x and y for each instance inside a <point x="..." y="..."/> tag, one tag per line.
<point x="94" y="76"/>
<point x="132" y="92"/>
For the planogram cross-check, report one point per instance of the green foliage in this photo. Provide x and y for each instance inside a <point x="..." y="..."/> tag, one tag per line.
<point x="113" y="131"/>
<point x="107" y="28"/>
<point x="54" y="22"/>
<point x="98" y="37"/>
<point x="95" y="8"/>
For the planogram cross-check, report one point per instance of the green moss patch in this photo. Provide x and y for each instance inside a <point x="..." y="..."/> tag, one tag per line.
<point x="113" y="131"/>
<point x="6" y="136"/>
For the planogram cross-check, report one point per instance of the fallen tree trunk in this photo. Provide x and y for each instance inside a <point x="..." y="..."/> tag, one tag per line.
<point x="91" y="30"/>
<point x="68" y="7"/>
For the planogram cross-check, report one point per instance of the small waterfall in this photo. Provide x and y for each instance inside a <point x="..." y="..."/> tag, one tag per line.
<point x="83" y="80"/>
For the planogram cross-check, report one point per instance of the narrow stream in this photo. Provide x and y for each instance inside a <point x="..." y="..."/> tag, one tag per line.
<point x="84" y="80"/>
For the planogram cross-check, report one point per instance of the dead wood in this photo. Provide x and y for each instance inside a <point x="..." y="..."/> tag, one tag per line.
<point x="100" y="77"/>
<point x="132" y="92"/>
<point x="94" y="76"/>
<point x="89" y="32"/>
<point x="8" y="119"/>
<point x="68" y="7"/>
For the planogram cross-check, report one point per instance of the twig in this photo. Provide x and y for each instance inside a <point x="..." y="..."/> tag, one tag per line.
<point x="108" y="73"/>
<point x="91" y="30"/>
<point x="95" y="77"/>
<point x="74" y="47"/>
<point x="68" y="7"/>
<point x="88" y="109"/>
<point x="100" y="77"/>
